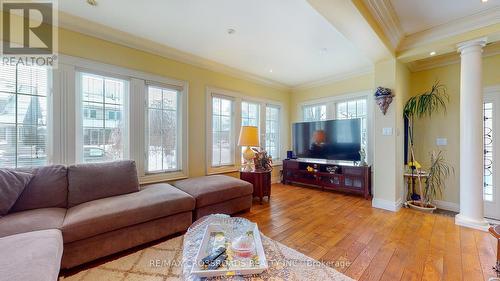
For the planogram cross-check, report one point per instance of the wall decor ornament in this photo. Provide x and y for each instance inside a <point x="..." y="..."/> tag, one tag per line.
<point x="383" y="97"/>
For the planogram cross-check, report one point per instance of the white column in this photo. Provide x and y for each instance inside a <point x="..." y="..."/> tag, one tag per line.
<point x="471" y="136"/>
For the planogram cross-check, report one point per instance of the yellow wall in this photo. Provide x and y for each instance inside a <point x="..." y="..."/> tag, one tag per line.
<point x="447" y="125"/>
<point x="351" y="85"/>
<point x="79" y="45"/>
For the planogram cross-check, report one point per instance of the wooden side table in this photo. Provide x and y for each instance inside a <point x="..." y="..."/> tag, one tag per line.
<point x="495" y="231"/>
<point x="261" y="181"/>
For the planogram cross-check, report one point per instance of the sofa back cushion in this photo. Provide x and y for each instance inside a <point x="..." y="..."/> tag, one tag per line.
<point x="47" y="189"/>
<point x="89" y="182"/>
<point x="12" y="184"/>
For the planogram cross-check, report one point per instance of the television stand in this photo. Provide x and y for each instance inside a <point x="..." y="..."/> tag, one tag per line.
<point x="342" y="176"/>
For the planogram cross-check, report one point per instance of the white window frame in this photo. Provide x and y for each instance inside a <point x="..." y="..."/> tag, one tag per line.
<point x="234" y="132"/>
<point x="65" y="106"/>
<point x="331" y="111"/>
<point x="238" y="98"/>
<point x="50" y="146"/>
<point x="277" y="159"/>
<point x="79" y="112"/>
<point x="181" y="108"/>
<point x="313" y="105"/>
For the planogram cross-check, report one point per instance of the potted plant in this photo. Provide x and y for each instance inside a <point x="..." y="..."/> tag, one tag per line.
<point x="423" y="105"/>
<point x="439" y="171"/>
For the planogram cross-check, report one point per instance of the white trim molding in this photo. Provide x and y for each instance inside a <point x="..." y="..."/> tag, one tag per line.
<point x="388" y="205"/>
<point x="491" y="49"/>
<point x="448" y="206"/>
<point x="459" y="26"/>
<point x="482" y="225"/>
<point x="386" y="16"/>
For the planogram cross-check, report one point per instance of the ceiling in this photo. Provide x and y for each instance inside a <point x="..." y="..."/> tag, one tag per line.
<point x="281" y="40"/>
<point x="418" y="15"/>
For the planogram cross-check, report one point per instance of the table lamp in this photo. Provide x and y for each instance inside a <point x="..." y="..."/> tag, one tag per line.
<point x="249" y="137"/>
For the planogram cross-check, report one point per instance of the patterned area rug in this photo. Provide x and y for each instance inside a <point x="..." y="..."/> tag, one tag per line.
<point x="162" y="262"/>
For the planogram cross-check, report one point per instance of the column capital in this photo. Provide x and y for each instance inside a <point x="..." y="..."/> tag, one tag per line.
<point x="467" y="45"/>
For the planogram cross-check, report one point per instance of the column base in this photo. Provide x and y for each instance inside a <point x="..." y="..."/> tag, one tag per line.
<point x="482" y="225"/>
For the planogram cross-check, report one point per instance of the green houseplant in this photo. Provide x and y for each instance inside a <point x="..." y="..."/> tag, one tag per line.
<point x="417" y="107"/>
<point x="439" y="170"/>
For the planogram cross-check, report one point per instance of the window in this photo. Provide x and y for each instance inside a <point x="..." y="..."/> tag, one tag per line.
<point x="249" y="114"/>
<point x="272" y="138"/>
<point x="314" y="112"/>
<point x="249" y="117"/>
<point x="103" y="138"/>
<point x="162" y="132"/>
<point x="23" y="116"/>
<point x="351" y="109"/>
<point x="227" y="111"/>
<point x="222" y="131"/>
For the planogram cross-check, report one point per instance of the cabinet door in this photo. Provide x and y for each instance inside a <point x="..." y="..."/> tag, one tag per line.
<point x="353" y="182"/>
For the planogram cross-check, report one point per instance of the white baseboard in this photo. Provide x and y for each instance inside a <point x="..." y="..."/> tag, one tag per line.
<point x="481" y="224"/>
<point x="392" y="206"/>
<point x="275" y="179"/>
<point x="445" y="205"/>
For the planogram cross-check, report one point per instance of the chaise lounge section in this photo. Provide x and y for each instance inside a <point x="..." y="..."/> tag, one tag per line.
<point x="218" y="194"/>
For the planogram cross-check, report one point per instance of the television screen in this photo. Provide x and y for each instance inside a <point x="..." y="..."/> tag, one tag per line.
<point x="331" y="140"/>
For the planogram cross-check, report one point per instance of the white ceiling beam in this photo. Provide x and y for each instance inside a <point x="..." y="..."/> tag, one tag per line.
<point x="346" y="18"/>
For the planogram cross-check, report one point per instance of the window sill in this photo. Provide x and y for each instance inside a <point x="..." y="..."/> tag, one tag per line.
<point x="222" y="170"/>
<point x="162" y="177"/>
<point x="277" y="162"/>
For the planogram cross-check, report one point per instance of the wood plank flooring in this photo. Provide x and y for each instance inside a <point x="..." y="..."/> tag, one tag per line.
<point x="372" y="244"/>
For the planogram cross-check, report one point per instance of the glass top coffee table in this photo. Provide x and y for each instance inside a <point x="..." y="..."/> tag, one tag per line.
<point x="284" y="263"/>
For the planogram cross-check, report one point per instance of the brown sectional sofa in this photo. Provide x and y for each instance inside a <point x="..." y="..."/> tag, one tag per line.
<point x="208" y="190"/>
<point x="95" y="210"/>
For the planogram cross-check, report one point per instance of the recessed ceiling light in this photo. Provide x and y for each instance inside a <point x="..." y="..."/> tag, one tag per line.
<point x="484" y="1"/>
<point x="231" y="31"/>
<point x="270" y="71"/>
<point x="92" y="2"/>
<point x="432" y="53"/>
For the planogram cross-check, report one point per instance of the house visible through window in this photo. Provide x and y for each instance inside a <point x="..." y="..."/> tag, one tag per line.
<point x="103" y="138"/>
<point x="222" y="131"/>
<point x="23" y="116"/>
<point x="163" y="135"/>
<point x="272" y="138"/>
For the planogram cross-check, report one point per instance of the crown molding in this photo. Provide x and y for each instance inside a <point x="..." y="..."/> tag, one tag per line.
<point x="80" y="25"/>
<point x="449" y="59"/>
<point x="452" y="28"/>
<point x="386" y="16"/>
<point x="334" y="78"/>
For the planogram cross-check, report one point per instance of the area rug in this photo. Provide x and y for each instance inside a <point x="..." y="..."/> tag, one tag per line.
<point x="163" y="262"/>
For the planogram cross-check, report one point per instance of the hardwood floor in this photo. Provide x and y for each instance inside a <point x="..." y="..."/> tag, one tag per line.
<point x="372" y="244"/>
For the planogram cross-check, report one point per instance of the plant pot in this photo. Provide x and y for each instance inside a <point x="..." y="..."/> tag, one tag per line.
<point x="414" y="206"/>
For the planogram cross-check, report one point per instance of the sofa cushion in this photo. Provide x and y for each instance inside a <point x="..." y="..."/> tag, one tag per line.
<point x="12" y="184"/>
<point x="107" y="214"/>
<point x="31" y="256"/>
<point x="31" y="220"/>
<point x="214" y="189"/>
<point x="89" y="182"/>
<point x="47" y="189"/>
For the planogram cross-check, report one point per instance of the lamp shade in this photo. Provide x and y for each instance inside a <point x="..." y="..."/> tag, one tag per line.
<point x="249" y="136"/>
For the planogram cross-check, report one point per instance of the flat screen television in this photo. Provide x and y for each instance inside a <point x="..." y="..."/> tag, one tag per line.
<point x="330" y="140"/>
